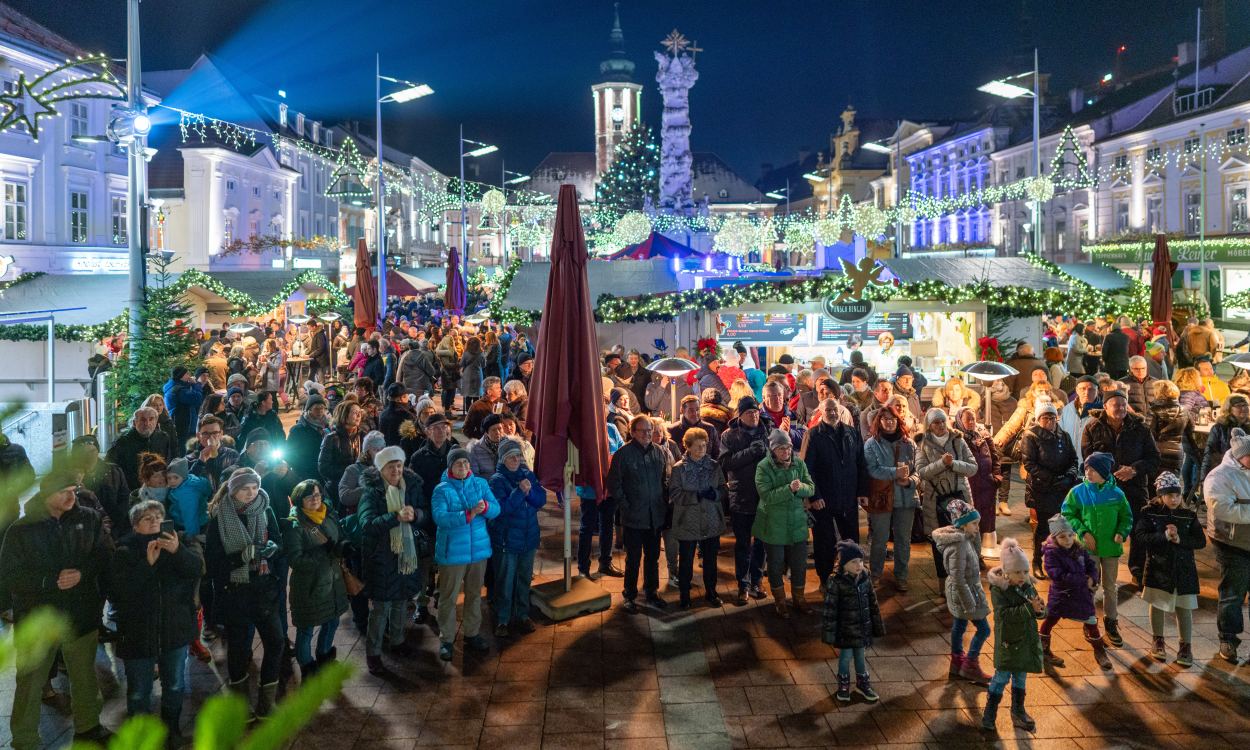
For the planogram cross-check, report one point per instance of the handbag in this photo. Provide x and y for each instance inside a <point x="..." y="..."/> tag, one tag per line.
<point x="350" y="582"/>
<point x="881" y="492"/>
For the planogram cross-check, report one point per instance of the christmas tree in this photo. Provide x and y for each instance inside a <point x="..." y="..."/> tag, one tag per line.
<point x="633" y="176"/>
<point x="348" y="182"/>
<point x="1070" y="168"/>
<point x="164" y="342"/>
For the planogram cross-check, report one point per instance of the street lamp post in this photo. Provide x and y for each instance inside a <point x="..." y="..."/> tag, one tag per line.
<point x="782" y="193"/>
<point x="408" y="93"/>
<point x="128" y="126"/>
<point x="482" y="150"/>
<point x="1010" y="91"/>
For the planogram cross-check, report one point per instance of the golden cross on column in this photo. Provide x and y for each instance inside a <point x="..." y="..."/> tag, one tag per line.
<point x="694" y="49"/>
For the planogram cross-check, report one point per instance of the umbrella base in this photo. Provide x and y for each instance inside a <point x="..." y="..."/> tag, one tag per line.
<point x="583" y="598"/>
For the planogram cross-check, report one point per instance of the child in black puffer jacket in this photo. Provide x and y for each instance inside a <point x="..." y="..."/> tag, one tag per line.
<point x="851" y="620"/>
<point x="1170" y="533"/>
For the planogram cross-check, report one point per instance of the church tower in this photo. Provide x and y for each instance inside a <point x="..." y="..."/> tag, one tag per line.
<point x="617" y="99"/>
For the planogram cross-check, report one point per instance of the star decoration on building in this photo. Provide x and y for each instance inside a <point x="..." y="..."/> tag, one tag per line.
<point x="81" y="78"/>
<point x="867" y="271"/>
<point x="676" y="42"/>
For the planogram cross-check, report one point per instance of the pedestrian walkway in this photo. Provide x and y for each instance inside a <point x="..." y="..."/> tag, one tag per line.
<point x="740" y="677"/>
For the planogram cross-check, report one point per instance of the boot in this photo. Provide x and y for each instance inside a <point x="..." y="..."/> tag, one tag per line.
<point x="1048" y="656"/>
<point x="990" y="716"/>
<point x="844" y="688"/>
<point x="306" y="671"/>
<point x="171" y="717"/>
<point x="864" y="688"/>
<point x="1112" y="627"/>
<point x="1100" y="654"/>
<point x="1020" y="718"/>
<point x="1185" y="655"/>
<point x="779" y="603"/>
<point x="1038" y="570"/>
<point x="957" y="663"/>
<point x="266" y="699"/>
<point x="989" y="545"/>
<point x="242" y="689"/>
<point x="971" y="670"/>
<point x="1004" y="509"/>
<point x="1159" y="651"/>
<point x="800" y="603"/>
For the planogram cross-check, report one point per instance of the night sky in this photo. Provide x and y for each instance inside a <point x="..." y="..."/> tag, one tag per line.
<point x="773" y="77"/>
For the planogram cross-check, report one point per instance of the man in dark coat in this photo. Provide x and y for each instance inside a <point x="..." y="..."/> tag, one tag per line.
<point x="142" y="437"/>
<point x="1138" y="386"/>
<point x="1115" y="354"/>
<point x="743" y="446"/>
<point x="708" y="378"/>
<point x="690" y="418"/>
<point x="1025" y="362"/>
<point x="105" y="480"/>
<point x="57" y="556"/>
<point x="183" y="396"/>
<point x="637" y="481"/>
<point x="303" y="444"/>
<point x="417" y="369"/>
<point x="1126" y="437"/>
<point x="523" y="370"/>
<point x="320" y="367"/>
<point x="396" y="412"/>
<point x="834" y="455"/>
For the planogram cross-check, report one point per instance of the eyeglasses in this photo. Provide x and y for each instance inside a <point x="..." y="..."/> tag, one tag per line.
<point x="151" y="518"/>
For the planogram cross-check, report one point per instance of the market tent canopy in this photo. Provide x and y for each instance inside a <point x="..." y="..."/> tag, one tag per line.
<point x="1102" y="277"/>
<point x="399" y="284"/>
<point x="655" y="246"/>
<point x="432" y="275"/>
<point x="104" y="296"/>
<point x="955" y="272"/>
<point x="620" y="277"/>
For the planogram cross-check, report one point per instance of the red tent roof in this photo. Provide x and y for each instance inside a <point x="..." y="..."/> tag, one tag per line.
<point x="655" y="245"/>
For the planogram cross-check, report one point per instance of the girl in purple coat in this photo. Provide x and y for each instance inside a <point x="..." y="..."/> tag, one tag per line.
<point x="1073" y="574"/>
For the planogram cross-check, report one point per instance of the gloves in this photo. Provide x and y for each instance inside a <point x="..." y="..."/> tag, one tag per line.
<point x="269" y="550"/>
<point x="707" y="494"/>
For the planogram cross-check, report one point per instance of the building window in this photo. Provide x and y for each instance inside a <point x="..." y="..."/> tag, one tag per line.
<point x="1192" y="145"/>
<point x="1019" y="173"/>
<point x="256" y="191"/>
<point x="1121" y="217"/>
<point x="319" y="227"/>
<point x="78" y="219"/>
<point x="15" y="207"/>
<point x="303" y="226"/>
<point x="299" y="124"/>
<point x="230" y="185"/>
<point x="1235" y="137"/>
<point x="329" y="137"/>
<point x="303" y="178"/>
<point x="486" y="248"/>
<point x="1154" y="155"/>
<point x="78" y="122"/>
<point x="253" y="227"/>
<point x="1193" y="213"/>
<point x="282" y="114"/>
<point x="1061" y="232"/>
<point x="1237" y="211"/>
<point x="19" y="104"/>
<point x="1154" y="213"/>
<point x="1121" y="161"/>
<point x="118" y="218"/>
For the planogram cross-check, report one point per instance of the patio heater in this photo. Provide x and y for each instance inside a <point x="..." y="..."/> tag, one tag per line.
<point x="673" y="367"/>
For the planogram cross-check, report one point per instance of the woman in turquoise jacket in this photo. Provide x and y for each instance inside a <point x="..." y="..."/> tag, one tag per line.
<point x="462" y="504"/>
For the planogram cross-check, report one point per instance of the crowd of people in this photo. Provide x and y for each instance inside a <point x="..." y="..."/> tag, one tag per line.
<point x="206" y="519"/>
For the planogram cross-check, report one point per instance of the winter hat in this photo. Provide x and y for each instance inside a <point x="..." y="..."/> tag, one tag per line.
<point x="312" y="386"/>
<point x="1045" y="407"/>
<point x="903" y="371"/>
<point x="179" y="466"/>
<point x="1104" y="463"/>
<point x="961" y="512"/>
<point x="55" y="481"/>
<point x="1239" y="443"/>
<point x="177" y="373"/>
<point x="527" y="357"/>
<point x="746" y="404"/>
<point x="1014" y="559"/>
<point x="238" y="377"/>
<point x="934" y="414"/>
<point x="233" y="390"/>
<point x="777" y="438"/>
<point x="201" y="371"/>
<point x="436" y="418"/>
<point x="260" y="433"/>
<point x="785" y="359"/>
<point x="1059" y="525"/>
<point x="491" y="420"/>
<point x="848" y="550"/>
<point x="1167" y="483"/>
<point x="240" y="479"/>
<point x="88" y="439"/>
<point x="1115" y="393"/>
<point x="373" y="441"/>
<point x="386" y="455"/>
<point x="455" y="454"/>
<point x="395" y="390"/>
<point x="313" y="400"/>
<point x="508" y="447"/>
<point x="423" y="402"/>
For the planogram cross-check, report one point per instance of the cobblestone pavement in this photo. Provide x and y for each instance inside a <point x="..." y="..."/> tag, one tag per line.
<point x="740" y="677"/>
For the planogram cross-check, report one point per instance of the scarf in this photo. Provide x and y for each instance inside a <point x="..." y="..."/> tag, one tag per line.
<point x="402" y="543"/>
<point x="1082" y="411"/>
<point x="942" y="441"/>
<point x="894" y="436"/>
<point x="698" y="474"/>
<point x="238" y="532"/>
<point x="311" y="522"/>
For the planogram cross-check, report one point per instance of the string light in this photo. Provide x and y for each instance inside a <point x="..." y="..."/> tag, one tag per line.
<point x="98" y="80"/>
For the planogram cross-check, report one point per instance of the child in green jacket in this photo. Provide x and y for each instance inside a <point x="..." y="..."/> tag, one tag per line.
<point x="1101" y="517"/>
<point x="1017" y="645"/>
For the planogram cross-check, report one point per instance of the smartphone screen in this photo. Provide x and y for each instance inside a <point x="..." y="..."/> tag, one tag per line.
<point x="167" y="527"/>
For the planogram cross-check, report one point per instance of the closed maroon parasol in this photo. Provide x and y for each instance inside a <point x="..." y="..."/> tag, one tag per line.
<point x="566" y="412"/>
<point x="457" y="295"/>
<point x="365" y="293"/>
<point x="1161" y="270"/>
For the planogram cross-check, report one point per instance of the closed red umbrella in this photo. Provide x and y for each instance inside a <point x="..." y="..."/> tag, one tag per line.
<point x="1161" y="272"/>
<point x="566" y="411"/>
<point x="365" y="312"/>
<point x="457" y="295"/>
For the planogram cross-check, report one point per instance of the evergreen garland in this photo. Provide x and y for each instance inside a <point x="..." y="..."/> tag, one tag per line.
<point x="633" y="176"/>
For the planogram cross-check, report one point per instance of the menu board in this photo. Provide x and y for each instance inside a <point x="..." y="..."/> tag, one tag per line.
<point x="763" y="327"/>
<point x="897" y="323"/>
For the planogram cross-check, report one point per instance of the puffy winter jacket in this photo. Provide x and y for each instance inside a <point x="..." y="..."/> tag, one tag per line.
<point x="880" y="457"/>
<point x="1101" y="510"/>
<point x="462" y="540"/>
<point x="1017" y="644"/>
<point x="317" y="592"/>
<point x="697" y="491"/>
<point x="182" y="401"/>
<point x="383" y="581"/>
<point x="1173" y="433"/>
<point x="1050" y="468"/>
<point x="1140" y="393"/>
<point x="1070" y="571"/>
<point x="937" y="480"/>
<point x="338" y="451"/>
<point x="679" y="429"/>
<point x="964" y="596"/>
<point x="852" y="618"/>
<point x="109" y="485"/>
<point x="1169" y="567"/>
<point x="156" y="604"/>
<point x="1227" y="493"/>
<point x="303" y="447"/>
<point x="1132" y="446"/>
<point x="835" y="458"/>
<point x="742" y="449"/>
<point x="483" y="457"/>
<point x="637" y="481"/>
<point x="781" y="517"/>
<point x="1218" y="442"/>
<point x="418" y="371"/>
<point x="515" y="529"/>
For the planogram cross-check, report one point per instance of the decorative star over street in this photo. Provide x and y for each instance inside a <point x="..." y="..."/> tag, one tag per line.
<point x="676" y="42"/>
<point x="24" y="106"/>
<point x="86" y="77"/>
